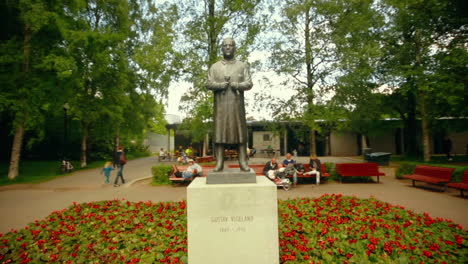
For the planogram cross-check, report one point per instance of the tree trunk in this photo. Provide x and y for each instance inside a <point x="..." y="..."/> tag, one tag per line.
<point x="329" y="153"/>
<point x="310" y="91"/>
<point x="410" y="128"/>
<point x="117" y="142"/>
<point x="205" y="145"/>
<point x="313" y="147"/>
<point x="84" y="140"/>
<point x="212" y="34"/>
<point x="425" y="130"/>
<point x="13" y="170"/>
<point x="363" y="143"/>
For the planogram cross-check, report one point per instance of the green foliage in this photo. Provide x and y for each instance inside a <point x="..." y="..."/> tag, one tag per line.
<point x="161" y="174"/>
<point x="404" y="169"/>
<point x="331" y="169"/>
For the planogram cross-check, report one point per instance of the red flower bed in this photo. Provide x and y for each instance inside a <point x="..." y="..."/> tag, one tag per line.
<point x="330" y="229"/>
<point x="340" y="229"/>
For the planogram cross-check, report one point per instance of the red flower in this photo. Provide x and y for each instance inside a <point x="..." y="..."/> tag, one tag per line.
<point x="371" y="247"/>
<point x="427" y="253"/>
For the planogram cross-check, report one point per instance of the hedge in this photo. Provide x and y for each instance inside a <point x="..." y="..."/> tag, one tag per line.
<point x="161" y="174"/>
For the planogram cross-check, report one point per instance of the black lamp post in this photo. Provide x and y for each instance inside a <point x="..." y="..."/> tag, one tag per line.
<point x="65" y="129"/>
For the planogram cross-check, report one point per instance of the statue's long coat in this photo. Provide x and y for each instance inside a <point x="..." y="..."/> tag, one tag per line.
<point x="229" y="109"/>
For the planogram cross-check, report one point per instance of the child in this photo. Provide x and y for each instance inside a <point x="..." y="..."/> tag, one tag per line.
<point x="107" y="170"/>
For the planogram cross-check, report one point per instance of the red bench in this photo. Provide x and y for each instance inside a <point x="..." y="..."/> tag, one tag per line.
<point x="431" y="174"/>
<point x="323" y="171"/>
<point x="359" y="169"/>
<point x="258" y="168"/>
<point x="204" y="159"/>
<point x="463" y="185"/>
<point x="182" y="168"/>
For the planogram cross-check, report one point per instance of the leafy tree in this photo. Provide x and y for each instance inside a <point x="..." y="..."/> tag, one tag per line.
<point x="323" y="47"/>
<point x="31" y="74"/>
<point x="421" y="36"/>
<point x="119" y="74"/>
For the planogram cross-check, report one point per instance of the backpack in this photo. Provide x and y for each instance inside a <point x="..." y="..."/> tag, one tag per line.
<point x="123" y="160"/>
<point x="300" y="167"/>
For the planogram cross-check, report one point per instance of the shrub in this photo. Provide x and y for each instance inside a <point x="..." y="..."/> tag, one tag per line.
<point x="405" y="168"/>
<point x="161" y="174"/>
<point x="331" y="169"/>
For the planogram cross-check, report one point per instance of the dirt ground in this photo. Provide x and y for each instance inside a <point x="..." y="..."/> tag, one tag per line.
<point x="22" y="204"/>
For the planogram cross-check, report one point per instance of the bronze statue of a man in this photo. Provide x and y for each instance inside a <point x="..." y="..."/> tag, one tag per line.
<point x="228" y="79"/>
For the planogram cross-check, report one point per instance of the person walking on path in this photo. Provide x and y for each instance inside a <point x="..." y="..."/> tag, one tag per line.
<point x="447" y="147"/>
<point x="107" y="170"/>
<point x="120" y="160"/>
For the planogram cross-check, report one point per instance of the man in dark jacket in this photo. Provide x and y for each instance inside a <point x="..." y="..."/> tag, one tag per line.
<point x="228" y="79"/>
<point x="119" y="161"/>
<point x="270" y="168"/>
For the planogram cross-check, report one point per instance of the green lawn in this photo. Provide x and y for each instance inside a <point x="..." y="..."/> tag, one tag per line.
<point x="39" y="171"/>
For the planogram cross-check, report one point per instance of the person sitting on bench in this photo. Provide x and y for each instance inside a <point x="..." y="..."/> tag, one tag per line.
<point x="270" y="169"/>
<point x="193" y="170"/>
<point x="289" y="164"/>
<point x="314" y="167"/>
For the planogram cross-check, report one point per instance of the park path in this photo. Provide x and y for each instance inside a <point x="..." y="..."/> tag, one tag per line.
<point x="20" y="205"/>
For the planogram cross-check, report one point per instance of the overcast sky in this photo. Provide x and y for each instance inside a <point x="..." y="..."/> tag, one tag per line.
<point x="177" y="89"/>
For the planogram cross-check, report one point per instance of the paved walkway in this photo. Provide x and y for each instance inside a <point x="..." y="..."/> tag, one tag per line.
<point x="22" y="204"/>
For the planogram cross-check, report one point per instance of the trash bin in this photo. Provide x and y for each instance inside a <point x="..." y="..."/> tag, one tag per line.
<point x="381" y="158"/>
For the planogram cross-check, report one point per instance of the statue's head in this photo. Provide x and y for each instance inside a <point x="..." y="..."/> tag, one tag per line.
<point x="229" y="48"/>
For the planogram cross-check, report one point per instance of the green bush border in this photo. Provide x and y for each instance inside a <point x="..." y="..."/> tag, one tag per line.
<point x="161" y="174"/>
<point x="407" y="167"/>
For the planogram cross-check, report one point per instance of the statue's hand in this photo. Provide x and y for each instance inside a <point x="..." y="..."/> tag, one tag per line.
<point x="225" y="85"/>
<point x="235" y="86"/>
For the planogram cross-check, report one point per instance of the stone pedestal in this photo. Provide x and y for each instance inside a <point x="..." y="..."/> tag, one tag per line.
<point x="231" y="176"/>
<point x="232" y="223"/>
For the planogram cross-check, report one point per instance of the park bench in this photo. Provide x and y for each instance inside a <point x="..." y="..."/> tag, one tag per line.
<point x="302" y="175"/>
<point x="258" y="168"/>
<point x="359" y="170"/>
<point x="463" y="185"/>
<point x="204" y="159"/>
<point x="323" y="171"/>
<point x="431" y="174"/>
<point x="175" y="168"/>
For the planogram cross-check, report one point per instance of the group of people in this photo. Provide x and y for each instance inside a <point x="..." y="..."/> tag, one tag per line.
<point x="289" y="167"/>
<point x="119" y="161"/>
